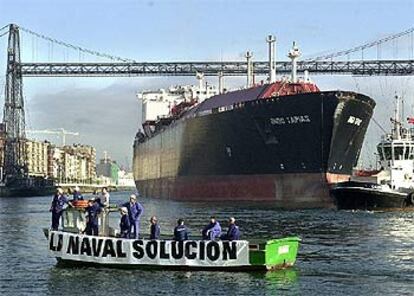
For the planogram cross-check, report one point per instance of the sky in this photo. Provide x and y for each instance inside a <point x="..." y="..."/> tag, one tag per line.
<point x="105" y="111"/>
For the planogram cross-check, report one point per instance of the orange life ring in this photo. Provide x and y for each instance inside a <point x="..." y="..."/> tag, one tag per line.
<point x="80" y="203"/>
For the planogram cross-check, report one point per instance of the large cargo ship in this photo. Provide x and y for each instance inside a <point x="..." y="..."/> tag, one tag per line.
<point x="284" y="142"/>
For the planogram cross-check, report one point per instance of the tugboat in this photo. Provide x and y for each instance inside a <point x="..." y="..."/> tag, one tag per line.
<point x="71" y="247"/>
<point x="393" y="185"/>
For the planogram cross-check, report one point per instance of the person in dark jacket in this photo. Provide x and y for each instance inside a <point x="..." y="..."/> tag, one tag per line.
<point x="155" y="230"/>
<point x="93" y="209"/>
<point x="77" y="195"/>
<point x="180" y="231"/>
<point x="135" y="211"/>
<point x="233" y="233"/>
<point x="58" y="203"/>
<point x="212" y="230"/>
<point x="124" y="225"/>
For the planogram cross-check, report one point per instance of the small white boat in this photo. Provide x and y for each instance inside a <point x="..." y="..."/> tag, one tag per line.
<point x="71" y="246"/>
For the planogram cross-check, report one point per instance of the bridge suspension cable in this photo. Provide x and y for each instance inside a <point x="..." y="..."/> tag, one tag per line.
<point x="5" y="32"/>
<point x="363" y="46"/>
<point x="346" y="52"/>
<point x="4" y="27"/>
<point x="76" y="47"/>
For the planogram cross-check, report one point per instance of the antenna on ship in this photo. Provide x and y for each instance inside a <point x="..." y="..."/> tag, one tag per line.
<point x="397" y="119"/>
<point x="249" y="56"/>
<point x="272" y="67"/>
<point x="294" y="54"/>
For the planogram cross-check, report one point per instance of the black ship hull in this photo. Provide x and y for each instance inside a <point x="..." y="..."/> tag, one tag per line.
<point x="286" y="149"/>
<point x="371" y="197"/>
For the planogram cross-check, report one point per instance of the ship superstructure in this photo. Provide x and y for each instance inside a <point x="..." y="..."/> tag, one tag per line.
<point x="396" y="152"/>
<point x="173" y="101"/>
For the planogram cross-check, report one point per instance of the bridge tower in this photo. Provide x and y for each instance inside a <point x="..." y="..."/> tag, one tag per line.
<point x="13" y="113"/>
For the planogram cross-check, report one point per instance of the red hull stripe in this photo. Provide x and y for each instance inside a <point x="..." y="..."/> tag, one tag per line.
<point x="285" y="190"/>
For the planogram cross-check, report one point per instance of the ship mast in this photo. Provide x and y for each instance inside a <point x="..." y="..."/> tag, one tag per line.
<point x="294" y="54"/>
<point x="249" y="56"/>
<point x="200" y="78"/>
<point x="272" y="67"/>
<point x="221" y="82"/>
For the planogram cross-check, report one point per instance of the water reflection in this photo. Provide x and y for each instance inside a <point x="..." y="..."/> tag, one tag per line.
<point x="281" y="280"/>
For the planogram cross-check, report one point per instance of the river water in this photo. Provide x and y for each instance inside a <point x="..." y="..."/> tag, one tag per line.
<point x="342" y="253"/>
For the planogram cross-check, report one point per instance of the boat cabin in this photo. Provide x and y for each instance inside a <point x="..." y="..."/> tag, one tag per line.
<point x="391" y="151"/>
<point x="74" y="219"/>
<point x="396" y="156"/>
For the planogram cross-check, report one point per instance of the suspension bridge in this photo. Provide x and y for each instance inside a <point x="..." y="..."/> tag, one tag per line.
<point x="14" y="116"/>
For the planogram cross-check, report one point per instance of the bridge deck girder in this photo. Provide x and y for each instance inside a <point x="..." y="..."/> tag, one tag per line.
<point x="231" y="68"/>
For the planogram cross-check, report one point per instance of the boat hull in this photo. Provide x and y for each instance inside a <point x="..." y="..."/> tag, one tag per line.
<point x="365" y="198"/>
<point x="26" y="191"/>
<point x="25" y="187"/>
<point x="246" y="268"/>
<point x="287" y="150"/>
<point x="298" y="190"/>
<point x="78" y="249"/>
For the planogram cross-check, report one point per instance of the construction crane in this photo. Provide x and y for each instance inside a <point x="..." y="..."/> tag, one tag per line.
<point x="60" y="131"/>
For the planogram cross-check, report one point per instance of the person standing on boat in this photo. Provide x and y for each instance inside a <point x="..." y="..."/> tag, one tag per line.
<point x="212" y="230"/>
<point x="93" y="209"/>
<point x="181" y="232"/>
<point x="77" y="195"/>
<point x="105" y="197"/>
<point x="124" y="224"/>
<point x="233" y="233"/>
<point x="155" y="230"/>
<point x="57" y="207"/>
<point x="135" y="211"/>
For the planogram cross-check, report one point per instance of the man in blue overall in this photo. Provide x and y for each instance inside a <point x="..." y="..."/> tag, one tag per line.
<point x="77" y="195"/>
<point x="57" y="207"/>
<point x="93" y="210"/>
<point x="135" y="211"/>
<point x="124" y="225"/>
<point x="233" y="233"/>
<point x="212" y="230"/>
<point x="180" y="231"/>
<point x="155" y="230"/>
